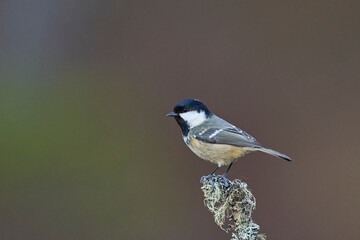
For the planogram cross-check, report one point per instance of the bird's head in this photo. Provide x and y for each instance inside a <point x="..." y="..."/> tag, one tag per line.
<point x="190" y="113"/>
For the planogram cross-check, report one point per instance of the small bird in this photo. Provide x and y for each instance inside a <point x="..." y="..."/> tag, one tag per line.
<point x="214" y="139"/>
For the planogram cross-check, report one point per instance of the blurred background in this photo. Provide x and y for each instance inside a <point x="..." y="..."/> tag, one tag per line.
<point x="86" y="151"/>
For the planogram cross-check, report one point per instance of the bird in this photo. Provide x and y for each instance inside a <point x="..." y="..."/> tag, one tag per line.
<point x="214" y="139"/>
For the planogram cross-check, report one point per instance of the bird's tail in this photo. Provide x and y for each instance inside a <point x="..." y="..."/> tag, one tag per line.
<point x="275" y="153"/>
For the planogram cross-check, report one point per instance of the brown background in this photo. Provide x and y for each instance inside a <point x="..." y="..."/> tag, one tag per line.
<point x="87" y="152"/>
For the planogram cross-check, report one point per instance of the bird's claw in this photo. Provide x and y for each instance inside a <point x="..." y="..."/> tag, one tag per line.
<point x="209" y="178"/>
<point x="226" y="181"/>
<point x="219" y="178"/>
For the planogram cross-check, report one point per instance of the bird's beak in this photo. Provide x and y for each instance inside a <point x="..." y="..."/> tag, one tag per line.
<point x="172" y="114"/>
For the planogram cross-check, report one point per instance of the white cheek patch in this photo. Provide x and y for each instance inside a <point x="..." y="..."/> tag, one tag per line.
<point x="193" y="118"/>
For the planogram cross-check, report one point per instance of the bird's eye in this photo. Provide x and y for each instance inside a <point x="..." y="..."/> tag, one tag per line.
<point x="185" y="110"/>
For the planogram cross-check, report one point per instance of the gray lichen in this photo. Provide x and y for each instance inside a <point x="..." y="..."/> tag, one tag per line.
<point x="231" y="202"/>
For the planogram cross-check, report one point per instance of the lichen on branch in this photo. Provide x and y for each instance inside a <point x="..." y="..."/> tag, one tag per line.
<point x="231" y="202"/>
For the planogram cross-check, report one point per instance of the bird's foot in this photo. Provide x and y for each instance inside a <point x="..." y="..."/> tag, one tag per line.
<point x="208" y="178"/>
<point x="226" y="181"/>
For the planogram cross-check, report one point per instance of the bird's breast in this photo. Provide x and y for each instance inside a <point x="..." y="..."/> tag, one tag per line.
<point x="220" y="154"/>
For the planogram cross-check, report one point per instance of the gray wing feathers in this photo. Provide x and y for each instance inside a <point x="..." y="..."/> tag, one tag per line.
<point x="230" y="136"/>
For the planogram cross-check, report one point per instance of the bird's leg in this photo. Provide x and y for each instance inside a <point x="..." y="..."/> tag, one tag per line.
<point x="227" y="169"/>
<point x="213" y="172"/>
<point x="210" y="176"/>
<point x="224" y="175"/>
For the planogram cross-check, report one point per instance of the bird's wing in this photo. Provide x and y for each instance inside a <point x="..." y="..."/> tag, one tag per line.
<point x="228" y="135"/>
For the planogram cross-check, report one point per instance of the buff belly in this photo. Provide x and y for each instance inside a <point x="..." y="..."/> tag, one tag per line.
<point x="219" y="154"/>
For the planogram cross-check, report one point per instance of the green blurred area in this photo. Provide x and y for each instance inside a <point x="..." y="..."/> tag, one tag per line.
<point x="86" y="151"/>
<point x="68" y="155"/>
